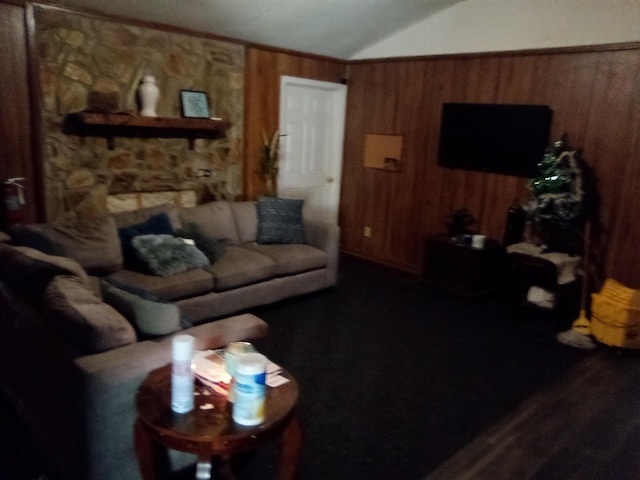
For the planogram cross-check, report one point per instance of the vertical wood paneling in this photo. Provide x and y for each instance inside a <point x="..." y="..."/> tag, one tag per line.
<point x="595" y="95"/>
<point x="262" y="99"/>
<point x="15" y="132"/>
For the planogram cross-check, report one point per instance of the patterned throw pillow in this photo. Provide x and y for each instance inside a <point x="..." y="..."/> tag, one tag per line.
<point x="280" y="221"/>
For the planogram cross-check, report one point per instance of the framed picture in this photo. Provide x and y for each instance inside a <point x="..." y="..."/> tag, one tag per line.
<point x="194" y="104"/>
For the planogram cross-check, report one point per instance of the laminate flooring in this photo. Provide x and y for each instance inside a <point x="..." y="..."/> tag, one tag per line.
<point x="585" y="426"/>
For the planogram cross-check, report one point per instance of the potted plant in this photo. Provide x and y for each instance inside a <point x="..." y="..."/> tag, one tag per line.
<point x="458" y="222"/>
<point x="269" y="162"/>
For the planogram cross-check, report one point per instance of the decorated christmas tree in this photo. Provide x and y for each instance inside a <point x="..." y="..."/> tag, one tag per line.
<point x="557" y="207"/>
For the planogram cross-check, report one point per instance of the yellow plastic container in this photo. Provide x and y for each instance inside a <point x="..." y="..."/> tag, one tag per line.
<point x="615" y="315"/>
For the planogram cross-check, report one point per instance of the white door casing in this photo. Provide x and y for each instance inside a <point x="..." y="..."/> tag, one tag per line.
<point x="312" y="119"/>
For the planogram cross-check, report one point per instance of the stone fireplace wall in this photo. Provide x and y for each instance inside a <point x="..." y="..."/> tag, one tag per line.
<point x="87" y="63"/>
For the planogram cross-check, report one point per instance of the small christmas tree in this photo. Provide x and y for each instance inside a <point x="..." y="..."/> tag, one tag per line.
<point x="557" y="207"/>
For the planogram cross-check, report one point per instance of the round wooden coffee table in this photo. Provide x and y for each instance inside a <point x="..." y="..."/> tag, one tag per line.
<point x="208" y="430"/>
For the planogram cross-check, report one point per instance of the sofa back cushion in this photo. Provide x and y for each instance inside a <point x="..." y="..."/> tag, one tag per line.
<point x="90" y="324"/>
<point x="92" y="241"/>
<point x="29" y="271"/>
<point x="125" y="219"/>
<point x="245" y="215"/>
<point x="215" y="220"/>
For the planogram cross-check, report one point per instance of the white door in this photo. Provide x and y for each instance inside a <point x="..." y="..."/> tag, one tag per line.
<point x="312" y="118"/>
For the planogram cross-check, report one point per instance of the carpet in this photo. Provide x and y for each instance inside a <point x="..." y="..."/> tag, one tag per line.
<point x="396" y="376"/>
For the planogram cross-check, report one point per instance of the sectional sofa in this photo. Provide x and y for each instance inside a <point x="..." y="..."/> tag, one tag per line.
<point x="81" y="325"/>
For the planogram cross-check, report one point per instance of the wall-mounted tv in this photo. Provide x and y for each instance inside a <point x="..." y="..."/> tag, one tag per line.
<point x="498" y="138"/>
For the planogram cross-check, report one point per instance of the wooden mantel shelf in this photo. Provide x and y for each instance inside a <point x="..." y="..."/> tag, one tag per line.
<point x="110" y="125"/>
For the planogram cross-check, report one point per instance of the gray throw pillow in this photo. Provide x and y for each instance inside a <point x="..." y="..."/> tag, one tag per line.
<point x="150" y="315"/>
<point x="166" y="255"/>
<point x="280" y="221"/>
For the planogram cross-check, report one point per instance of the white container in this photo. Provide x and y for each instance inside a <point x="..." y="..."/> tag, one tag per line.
<point x="181" y="374"/>
<point x="231" y="353"/>
<point x="249" y="389"/>
<point x="148" y="92"/>
<point x="477" y="241"/>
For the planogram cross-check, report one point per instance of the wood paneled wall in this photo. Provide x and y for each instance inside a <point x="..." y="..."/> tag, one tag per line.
<point x="15" y="117"/>
<point x="595" y="96"/>
<point x="262" y="99"/>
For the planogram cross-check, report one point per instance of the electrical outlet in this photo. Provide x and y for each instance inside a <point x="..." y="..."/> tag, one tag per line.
<point x="367" y="231"/>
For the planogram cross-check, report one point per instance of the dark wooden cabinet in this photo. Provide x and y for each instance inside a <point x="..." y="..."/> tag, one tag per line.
<point x="462" y="269"/>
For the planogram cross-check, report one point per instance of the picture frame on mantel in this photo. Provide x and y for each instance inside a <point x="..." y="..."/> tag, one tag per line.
<point x="194" y="104"/>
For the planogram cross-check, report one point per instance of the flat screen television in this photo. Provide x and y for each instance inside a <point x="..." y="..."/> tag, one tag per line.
<point x="497" y="138"/>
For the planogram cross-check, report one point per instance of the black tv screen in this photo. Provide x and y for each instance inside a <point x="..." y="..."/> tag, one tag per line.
<point x="498" y="138"/>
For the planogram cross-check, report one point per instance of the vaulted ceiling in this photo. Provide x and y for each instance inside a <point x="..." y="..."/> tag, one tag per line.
<point x="335" y="28"/>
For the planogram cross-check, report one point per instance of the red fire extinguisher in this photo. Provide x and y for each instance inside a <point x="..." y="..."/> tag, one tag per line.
<point x="13" y="198"/>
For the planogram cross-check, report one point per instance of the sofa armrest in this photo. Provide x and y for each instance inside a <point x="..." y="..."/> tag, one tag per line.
<point x="325" y="237"/>
<point x="111" y="379"/>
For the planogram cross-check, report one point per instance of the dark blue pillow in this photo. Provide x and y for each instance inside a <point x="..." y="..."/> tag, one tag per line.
<point x="280" y="221"/>
<point x="157" y="224"/>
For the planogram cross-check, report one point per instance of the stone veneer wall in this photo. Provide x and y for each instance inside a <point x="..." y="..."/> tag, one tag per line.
<point x="89" y="63"/>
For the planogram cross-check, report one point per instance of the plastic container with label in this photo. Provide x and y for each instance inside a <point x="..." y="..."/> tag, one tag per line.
<point x="249" y="389"/>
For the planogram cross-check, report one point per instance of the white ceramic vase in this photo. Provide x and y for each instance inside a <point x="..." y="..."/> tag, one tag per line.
<point x="148" y="92"/>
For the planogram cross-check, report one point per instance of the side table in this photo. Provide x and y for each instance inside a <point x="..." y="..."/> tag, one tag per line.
<point x="209" y="430"/>
<point x="462" y="269"/>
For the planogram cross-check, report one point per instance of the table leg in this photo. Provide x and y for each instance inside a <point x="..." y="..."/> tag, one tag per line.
<point x="203" y="468"/>
<point x="152" y="457"/>
<point x="290" y="450"/>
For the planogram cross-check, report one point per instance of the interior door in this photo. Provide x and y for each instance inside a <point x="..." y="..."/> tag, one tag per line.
<point x="312" y="118"/>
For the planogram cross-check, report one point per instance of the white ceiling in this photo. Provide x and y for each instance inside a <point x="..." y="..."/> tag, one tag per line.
<point x="335" y="28"/>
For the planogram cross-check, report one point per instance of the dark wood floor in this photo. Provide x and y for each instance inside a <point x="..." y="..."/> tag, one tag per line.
<point x="584" y="427"/>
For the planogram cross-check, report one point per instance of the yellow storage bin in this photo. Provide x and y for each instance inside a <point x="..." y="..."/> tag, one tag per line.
<point x="615" y="315"/>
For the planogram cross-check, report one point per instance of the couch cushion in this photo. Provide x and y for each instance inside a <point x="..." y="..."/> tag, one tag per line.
<point x="211" y="247"/>
<point x="280" y="221"/>
<point x="124" y="219"/>
<point x="157" y="224"/>
<point x="215" y="220"/>
<point x="29" y="271"/>
<point x="240" y="266"/>
<point x="151" y="315"/>
<point x="92" y="241"/>
<point x="90" y="324"/>
<point x="245" y="215"/>
<point x="180" y="285"/>
<point x="291" y="259"/>
<point x="166" y="255"/>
